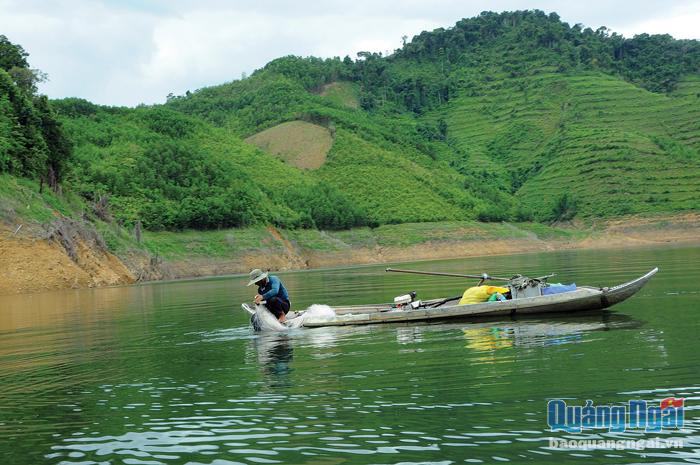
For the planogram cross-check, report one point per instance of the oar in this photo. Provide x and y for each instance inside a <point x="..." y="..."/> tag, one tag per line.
<point x="443" y="301"/>
<point x="483" y="277"/>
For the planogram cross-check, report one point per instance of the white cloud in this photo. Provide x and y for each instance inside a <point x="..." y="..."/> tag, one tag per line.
<point x="204" y="47"/>
<point x="129" y="52"/>
<point x="681" y="23"/>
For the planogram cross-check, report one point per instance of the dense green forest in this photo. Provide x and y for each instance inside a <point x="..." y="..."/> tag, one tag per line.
<point x="32" y="143"/>
<point x="502" y="117"/>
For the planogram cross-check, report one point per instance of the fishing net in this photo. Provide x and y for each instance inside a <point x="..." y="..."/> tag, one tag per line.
<point x="263" y="320"/>
<point x="315" y="312"/>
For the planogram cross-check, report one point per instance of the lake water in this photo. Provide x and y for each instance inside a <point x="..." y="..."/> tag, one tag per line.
<point x="170" y="373"/>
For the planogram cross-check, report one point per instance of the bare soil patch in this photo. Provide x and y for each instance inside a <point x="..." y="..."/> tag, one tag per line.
<point x="301" y="144"/>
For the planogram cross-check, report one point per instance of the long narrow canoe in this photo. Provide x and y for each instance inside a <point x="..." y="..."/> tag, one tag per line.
<point x="582" y="299"/>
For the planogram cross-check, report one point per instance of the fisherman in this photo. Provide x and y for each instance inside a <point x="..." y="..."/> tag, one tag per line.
<point x="271" y="293"/>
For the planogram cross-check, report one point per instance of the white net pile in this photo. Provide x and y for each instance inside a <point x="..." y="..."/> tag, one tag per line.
<point x="266" y="321"/>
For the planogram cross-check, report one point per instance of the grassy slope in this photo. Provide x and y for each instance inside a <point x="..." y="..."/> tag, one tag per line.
<point x="341" y="93"/>
<point x="232" y="243"/>
<point x="387" y="184"/>
<point x="21" y="203"/>
<point x="614" y="147"/>
<point x="689" y="86"/>
<point x="298" y="143"/>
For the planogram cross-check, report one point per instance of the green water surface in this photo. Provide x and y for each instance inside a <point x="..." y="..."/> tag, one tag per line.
<point x="170" y="373"/>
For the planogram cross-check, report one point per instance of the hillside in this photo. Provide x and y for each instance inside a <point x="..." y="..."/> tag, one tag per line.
<point x="157" y="165"/>
<point x="386" y="159"/>
<point x="571" y="121"/>
<point x="612" y="148"/>
<point x="511" y="116"/>
<point x="506" y="117"/>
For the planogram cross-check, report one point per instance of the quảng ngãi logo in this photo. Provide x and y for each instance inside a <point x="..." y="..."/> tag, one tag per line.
<point x="635" y="414"/>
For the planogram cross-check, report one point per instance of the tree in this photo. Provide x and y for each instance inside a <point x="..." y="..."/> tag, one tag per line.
<point x="565" y="208"/>
<point x="12" y="55"/>
<point x="27" y="79"/>
<point x="13" y="59"/>
<point x="59" y="147"/>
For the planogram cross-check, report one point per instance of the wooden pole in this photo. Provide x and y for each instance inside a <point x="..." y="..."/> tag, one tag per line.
<point x="454" y="275"/>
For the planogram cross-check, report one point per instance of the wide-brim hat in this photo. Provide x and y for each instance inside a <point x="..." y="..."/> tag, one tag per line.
<point x="256" y="275"/>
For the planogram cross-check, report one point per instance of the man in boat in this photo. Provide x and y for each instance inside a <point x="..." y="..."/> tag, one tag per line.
<point x="271" y="293"/>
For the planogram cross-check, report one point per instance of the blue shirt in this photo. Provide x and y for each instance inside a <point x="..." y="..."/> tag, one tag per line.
<point x="273" y="288"/>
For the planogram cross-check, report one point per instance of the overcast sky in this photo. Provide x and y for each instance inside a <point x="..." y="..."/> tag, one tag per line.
<point x="129" y="52"/>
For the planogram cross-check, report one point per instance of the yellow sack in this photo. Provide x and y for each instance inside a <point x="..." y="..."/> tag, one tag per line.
<point x="478" y="294"/>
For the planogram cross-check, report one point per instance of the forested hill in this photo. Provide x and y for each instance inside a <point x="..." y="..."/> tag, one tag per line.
<point x="513" y="116"/>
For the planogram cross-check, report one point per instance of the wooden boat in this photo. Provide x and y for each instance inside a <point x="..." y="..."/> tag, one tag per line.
<point x="582" y="299"/>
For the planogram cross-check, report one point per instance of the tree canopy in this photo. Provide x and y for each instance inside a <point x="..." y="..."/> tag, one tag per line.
<point x="32" y="143"/>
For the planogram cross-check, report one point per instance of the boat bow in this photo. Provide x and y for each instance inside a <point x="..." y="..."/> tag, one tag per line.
<point x="616" y="294"/>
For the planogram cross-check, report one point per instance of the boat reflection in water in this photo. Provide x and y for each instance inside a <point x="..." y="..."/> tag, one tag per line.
<point x="409" y="335"/>
<point x="541" y="333"/>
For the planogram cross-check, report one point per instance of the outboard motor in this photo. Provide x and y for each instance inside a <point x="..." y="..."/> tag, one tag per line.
<point x="407" y="300"/>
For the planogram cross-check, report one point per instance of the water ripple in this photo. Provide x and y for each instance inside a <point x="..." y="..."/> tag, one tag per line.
<point x="169" y="373"/>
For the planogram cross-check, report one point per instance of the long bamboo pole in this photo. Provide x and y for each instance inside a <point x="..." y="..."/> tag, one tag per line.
<point x="454" y="275"/>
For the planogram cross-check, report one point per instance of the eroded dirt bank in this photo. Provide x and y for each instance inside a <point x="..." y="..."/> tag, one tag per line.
<point x="61" y="257"/>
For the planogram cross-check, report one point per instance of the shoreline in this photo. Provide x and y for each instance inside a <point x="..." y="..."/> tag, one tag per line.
<point x="618" y="233"/>
<point x="366" y="258"/>
<point x="34" y="264"/>
<point x="340" y="266"/>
